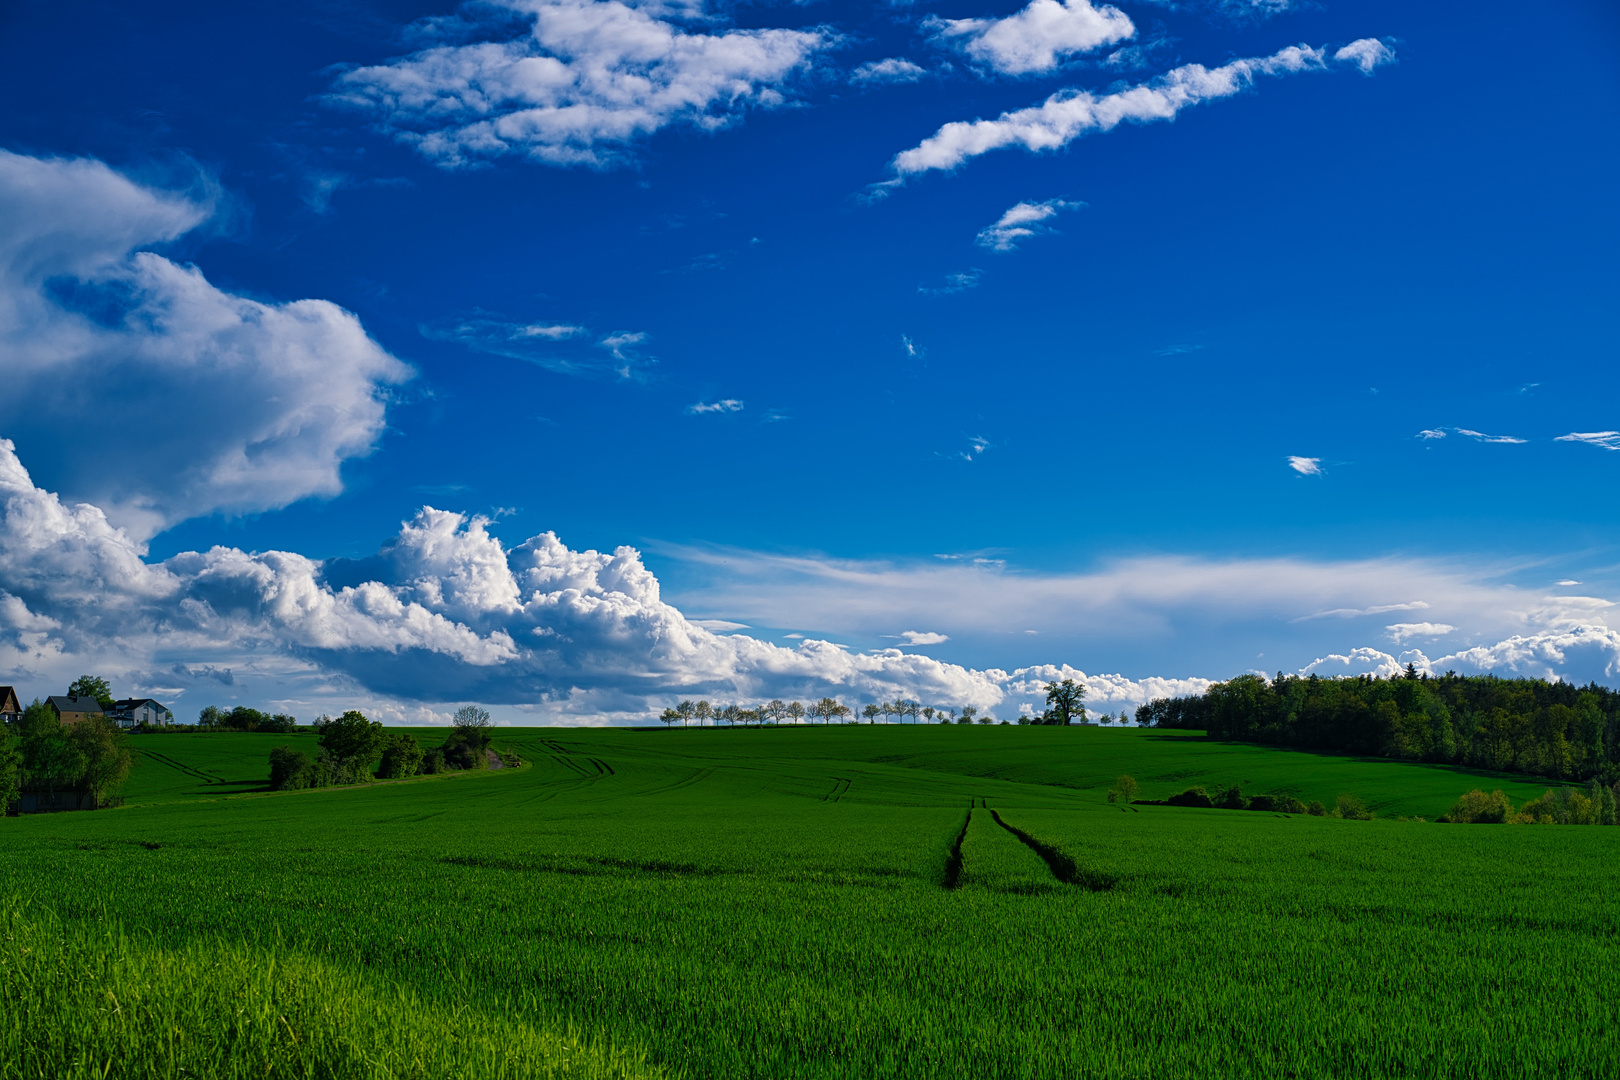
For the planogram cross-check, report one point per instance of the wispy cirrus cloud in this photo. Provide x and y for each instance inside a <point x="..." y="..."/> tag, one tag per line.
<point x="1400" y="633"/>
<point x="1035" y="39"/>
<point x="1069" y="114"/>
<point x="954" y="283"/>
<point x="709" y="408"/>
<point x="562" y="348"/>
<point x="1022" y="221"/>
<point x="1305" y="466"/>
<point x="894" y="69"/>
<point x="1480" y="436"/>
<point x="1605" y="440"/>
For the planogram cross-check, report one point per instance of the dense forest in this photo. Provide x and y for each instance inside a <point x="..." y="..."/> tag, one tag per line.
<point x="1553" y="729"/>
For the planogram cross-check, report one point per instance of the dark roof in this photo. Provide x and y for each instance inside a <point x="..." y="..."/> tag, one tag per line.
<point x="8" y="693"/>
<point x="63" y="703"/>
<point x="130" y="704"/>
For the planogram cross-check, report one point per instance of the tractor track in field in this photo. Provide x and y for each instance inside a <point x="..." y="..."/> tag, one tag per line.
<point x="1063" y="867"/>
<point x="578" y="762"/>
<point x="840" y="788"/>
<point x="189" y="770"/>
<point x="953" y="861"/>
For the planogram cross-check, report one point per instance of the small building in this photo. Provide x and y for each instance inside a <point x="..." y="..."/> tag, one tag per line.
<point x="10" y="711"/>
<point x="134" y="712"/>
<point x="70" y="710"/>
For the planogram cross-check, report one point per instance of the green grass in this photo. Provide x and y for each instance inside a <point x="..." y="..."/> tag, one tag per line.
<point x="772" y="903"/>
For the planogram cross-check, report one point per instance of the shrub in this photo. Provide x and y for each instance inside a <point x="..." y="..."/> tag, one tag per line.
<point x="1316" y="809"/>
<point x="401" y="757"/>
<point x="1193" y="796"/>
<point x="1351" y="808"/>
<point x="432" y="762"/>
<point x="1478" y="808"/>
<point x="1230" y="798"/>
<point x="290" y="769"/>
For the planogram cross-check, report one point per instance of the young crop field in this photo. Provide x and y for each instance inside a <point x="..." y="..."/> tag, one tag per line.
<point x="803" y="902"/>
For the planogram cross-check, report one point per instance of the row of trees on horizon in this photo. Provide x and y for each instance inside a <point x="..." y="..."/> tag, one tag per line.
<point x="1553" y="729"/>
<point x="1065" y="704"/>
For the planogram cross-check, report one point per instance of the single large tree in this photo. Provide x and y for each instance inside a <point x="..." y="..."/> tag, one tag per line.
<point x="870" y="712"/>
<point x="106" y="758"/>
<point x="1065" y="702"/>
<point x="50" y="759"/>
<point x="470" y="722"/>
<point x="795" y="709"/>
<point x="704" y="711"/>
<point x="351" y="741"/>
<point x="91" y="686"/>
<point x="686" y="710"/>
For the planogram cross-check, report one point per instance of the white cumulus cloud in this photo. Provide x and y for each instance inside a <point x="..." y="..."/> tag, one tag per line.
<point x="198" y="400"/>
<point x="581" y="82"/>
<point x="1367" y="54"/>
<point x="1021" y="222"/>
<point x="443" y="612"/>
<point x="1037" y="38"/>
<point x="1069" y="114"/>
<point x="923" y="637"/>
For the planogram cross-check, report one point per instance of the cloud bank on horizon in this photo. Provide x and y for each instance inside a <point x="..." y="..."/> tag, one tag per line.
<point x="445" y="612"/>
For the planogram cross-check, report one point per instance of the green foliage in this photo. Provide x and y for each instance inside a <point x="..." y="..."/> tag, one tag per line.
<point x="351" y="737"/>
<point x="1521" y="725"/>
<point x="1065" y="703"/>
<point x="11" y="769"/>
<point x="1193" y="796"/>
<point x="1124" y="790"/>
<point x="1478" y="808"/>
<point x="401" y="757"/>
<point x="104" y="750"/>
<point x="1352" y="808"/>
<point x="290" y="769"/>
<point x="50" y="759"/>
<point x="242" y="718"/>
<point x="92" y="686"/>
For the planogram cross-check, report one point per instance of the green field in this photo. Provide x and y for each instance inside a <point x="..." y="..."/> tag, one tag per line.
<point x="804" y="902"/>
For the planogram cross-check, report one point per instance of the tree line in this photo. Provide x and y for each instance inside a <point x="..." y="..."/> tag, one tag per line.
<point x="1552" y="729"/>
<point x="1064" y="705"/>
<point x="351" y="746"/>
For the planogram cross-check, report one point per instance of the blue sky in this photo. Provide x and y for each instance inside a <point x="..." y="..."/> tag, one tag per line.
<point x="1145" y="342"/>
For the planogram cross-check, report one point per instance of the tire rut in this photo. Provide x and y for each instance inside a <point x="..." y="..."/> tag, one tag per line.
<point x="1063" y="867"/>
<point x="953" y="862"/>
